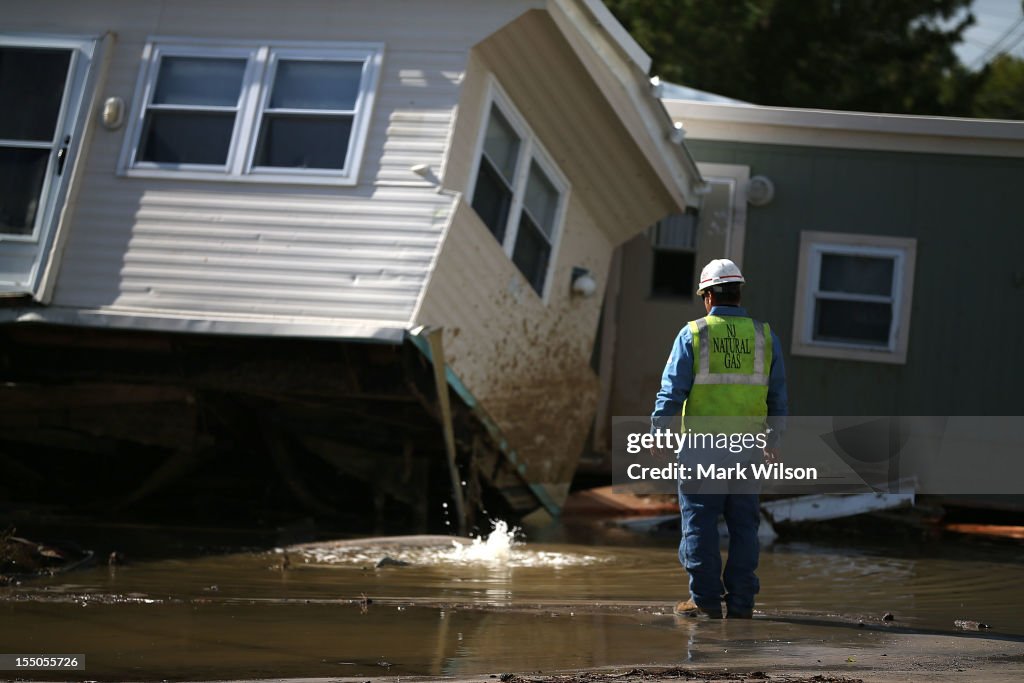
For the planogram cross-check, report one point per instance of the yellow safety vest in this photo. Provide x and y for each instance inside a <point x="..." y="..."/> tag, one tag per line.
<point x="732" y="357"/>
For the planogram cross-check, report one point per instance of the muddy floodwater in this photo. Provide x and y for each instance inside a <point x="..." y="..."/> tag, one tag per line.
<point x="439" y="608"/>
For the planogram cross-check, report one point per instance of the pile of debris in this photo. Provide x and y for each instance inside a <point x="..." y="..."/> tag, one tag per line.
<point x="22" y="559"/>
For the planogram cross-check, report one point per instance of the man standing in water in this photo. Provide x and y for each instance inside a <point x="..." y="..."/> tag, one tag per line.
<point x="717" y="368"/>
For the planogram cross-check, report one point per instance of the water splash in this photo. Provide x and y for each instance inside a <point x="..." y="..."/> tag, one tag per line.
<point x="495" y="549"/>
<point x="499" y="549"/>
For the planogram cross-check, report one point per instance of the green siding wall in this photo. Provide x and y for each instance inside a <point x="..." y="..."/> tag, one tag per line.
<point x="967" y="318"/>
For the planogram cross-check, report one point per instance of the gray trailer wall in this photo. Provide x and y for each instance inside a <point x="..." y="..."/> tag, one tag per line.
<point x="967" y="315"/>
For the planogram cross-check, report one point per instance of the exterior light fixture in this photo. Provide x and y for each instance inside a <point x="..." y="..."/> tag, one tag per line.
<point x="583" y="283"/>
<point x="113" y="113"/>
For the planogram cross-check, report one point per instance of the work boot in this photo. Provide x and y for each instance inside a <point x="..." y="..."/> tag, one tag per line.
<point x="688" y="608"/>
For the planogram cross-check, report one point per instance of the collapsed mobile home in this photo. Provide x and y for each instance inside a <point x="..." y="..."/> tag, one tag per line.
<point x="262" y="228"/>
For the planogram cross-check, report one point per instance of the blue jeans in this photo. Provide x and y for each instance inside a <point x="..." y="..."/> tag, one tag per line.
<point x="699" y="551"/>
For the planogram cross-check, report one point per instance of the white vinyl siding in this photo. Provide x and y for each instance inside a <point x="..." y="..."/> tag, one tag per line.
<point x="193" y="251"/>
<point x="257" y="112"/>
<point x="256" y="255"/>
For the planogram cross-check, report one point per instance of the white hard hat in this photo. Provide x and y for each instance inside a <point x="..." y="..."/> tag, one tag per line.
<point x="719" y="272"/>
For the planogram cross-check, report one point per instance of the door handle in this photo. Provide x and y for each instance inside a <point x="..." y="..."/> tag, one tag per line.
<point x="62" y="154"/>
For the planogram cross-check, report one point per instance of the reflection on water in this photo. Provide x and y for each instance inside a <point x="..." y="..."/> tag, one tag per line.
<point x="485" y="607"/>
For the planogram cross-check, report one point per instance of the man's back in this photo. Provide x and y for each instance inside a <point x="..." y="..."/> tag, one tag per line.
<point x="729" y="366"/>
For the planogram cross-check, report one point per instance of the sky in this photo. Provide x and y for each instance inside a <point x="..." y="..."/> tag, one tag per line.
<point x="995" y="20"/>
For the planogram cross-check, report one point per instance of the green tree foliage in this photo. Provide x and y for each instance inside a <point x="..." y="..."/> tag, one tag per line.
<point x="891" y="56"/>
<point x="1001" y="94"/>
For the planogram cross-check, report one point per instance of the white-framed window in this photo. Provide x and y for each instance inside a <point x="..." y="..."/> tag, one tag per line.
<point x="853" y="297"/>
<point x="258" y="112"/>
<point x="518" y="192"/>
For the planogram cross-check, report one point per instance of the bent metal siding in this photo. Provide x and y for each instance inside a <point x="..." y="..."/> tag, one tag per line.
<point x="264" y="254"/>
<point x="207" y="250"/>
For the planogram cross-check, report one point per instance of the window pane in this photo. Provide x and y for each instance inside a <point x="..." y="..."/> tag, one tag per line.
<point x="31" y="87"/>
<point x="175" y="137"/>
<point x="678" y="231"/>
<point x="673" y="274"/>
<point x="21" y="182"/>
<point x="531" y="253"/>
<point x="492" y="199"/>
<point x="852" y="321"/>
<point x="201" y="81"/>
<point x="502" y="145"/>
<point x="316" y="85"/>
<point x="541" y="199"/>
<point x="856" y="274"/>
<point x="288" y="141"/>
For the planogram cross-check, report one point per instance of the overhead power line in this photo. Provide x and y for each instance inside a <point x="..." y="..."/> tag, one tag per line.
<point x="1011" y="48"/>
<point x="997" y="46"/>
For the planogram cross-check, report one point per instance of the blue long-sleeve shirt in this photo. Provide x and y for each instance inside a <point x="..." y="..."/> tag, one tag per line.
<point x="677" y="380"/>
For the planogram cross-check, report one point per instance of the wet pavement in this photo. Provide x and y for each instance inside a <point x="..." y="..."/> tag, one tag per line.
<point x="326" y="610"/>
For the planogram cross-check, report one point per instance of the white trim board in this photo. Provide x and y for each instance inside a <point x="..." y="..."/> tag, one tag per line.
<point x="848" y="130"/>
<point x="167" y="322"/>
<point x="618" y="34"/>
<point x="625" y="84"/>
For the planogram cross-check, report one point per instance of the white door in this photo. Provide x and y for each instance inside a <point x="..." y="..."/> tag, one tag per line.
<point x="42" y="90"/>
